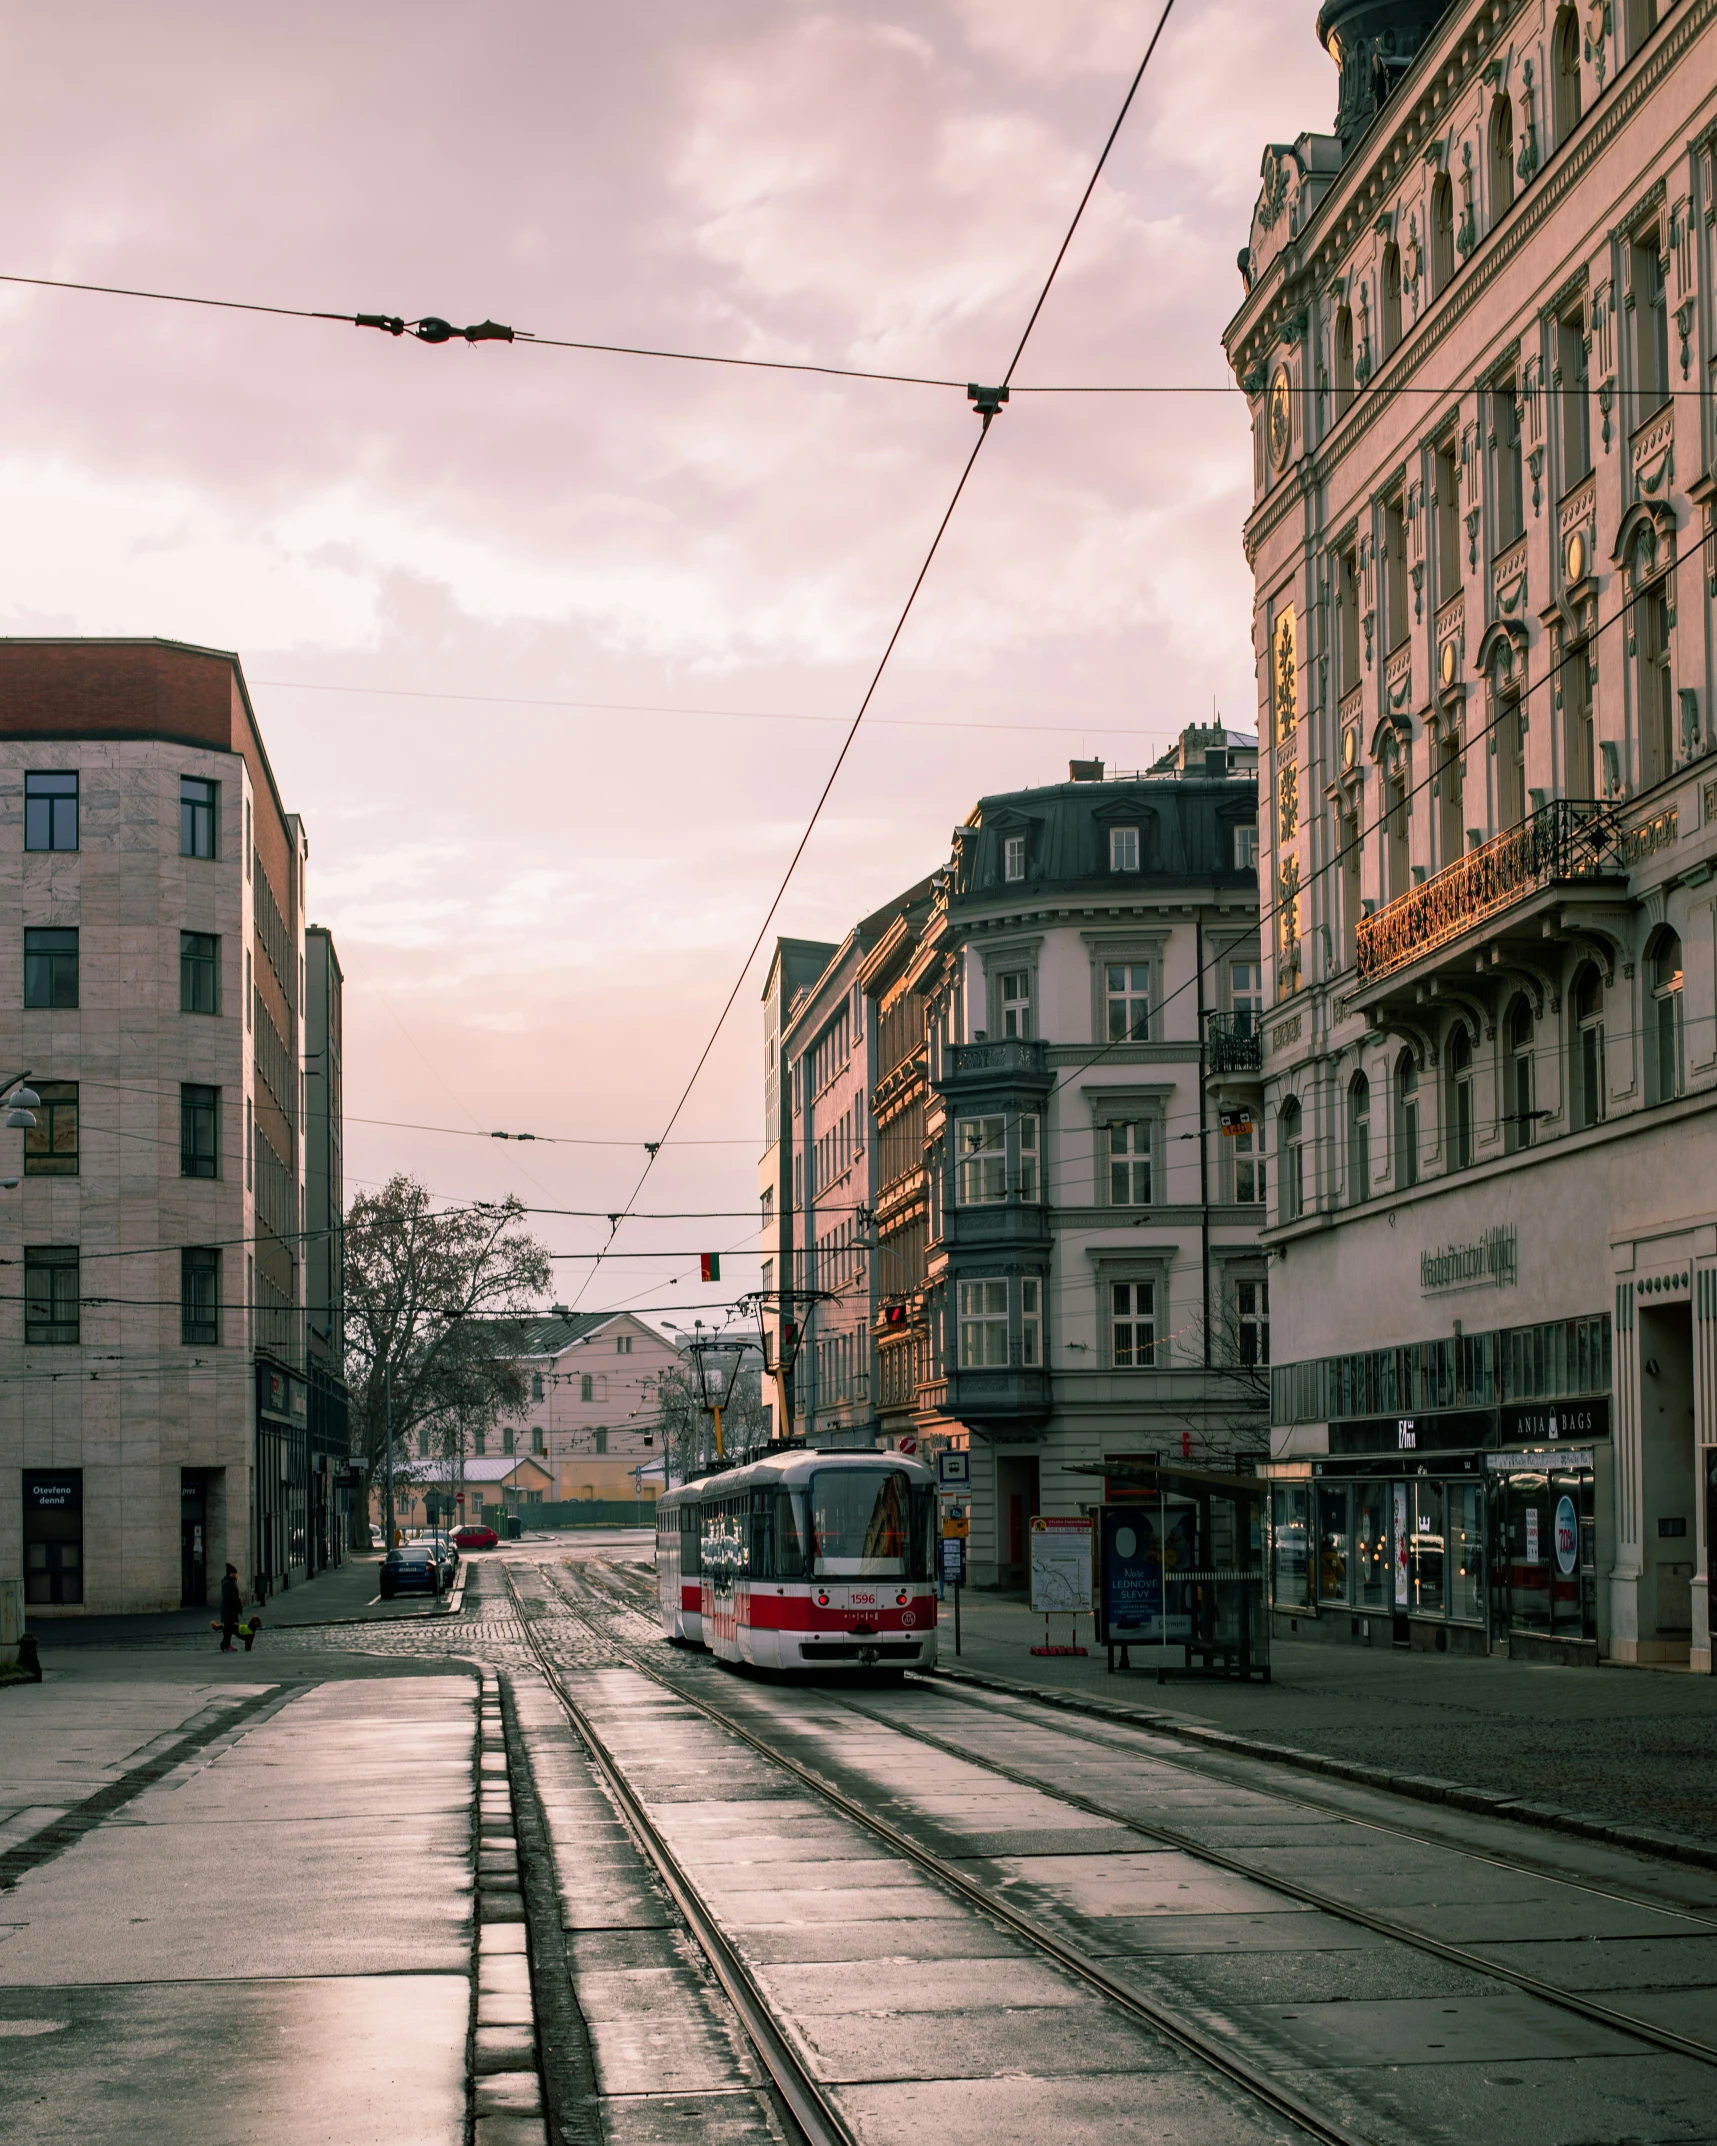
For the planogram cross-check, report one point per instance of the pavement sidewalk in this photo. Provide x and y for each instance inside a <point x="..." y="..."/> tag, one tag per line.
<point x="271" y="1943"/>
<point x="344" y="1591"/>
<point x="1636" y="1747"/>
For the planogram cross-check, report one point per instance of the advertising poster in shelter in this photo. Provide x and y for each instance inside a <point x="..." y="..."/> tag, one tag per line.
<point x="1061" y="1565"/>
<point x="1142" y="1599"/>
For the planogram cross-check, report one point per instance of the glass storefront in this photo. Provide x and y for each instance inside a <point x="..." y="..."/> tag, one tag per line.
<point x="1291" y="1527"/>
<point x="1513" y="1546"/>
<point x="1547" y="1568"/>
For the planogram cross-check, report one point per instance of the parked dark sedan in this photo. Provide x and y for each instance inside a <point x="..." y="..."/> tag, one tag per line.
<point x="424" y="1566"/>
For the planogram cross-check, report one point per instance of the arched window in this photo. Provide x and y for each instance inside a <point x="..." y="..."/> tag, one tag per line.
<point x="1442" y="234"/>
<point x="1406" y="1121"/>
<point x="1663" y="1036"/>
<point x="1358" y="1139"/>
<point x="1501" y="158"/>
<point x="1517" y="1086"/>
<point x="1565" y="74"/>
<point x="1460" y="1100"/>
<point x="1290" y="1153"/>
<point x="1389" y="305"/>
<point x="1343" y="360"/>
<point x="1588" y="1048"/>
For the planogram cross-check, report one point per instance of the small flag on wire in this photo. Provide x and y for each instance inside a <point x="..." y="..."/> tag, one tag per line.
<point x="709" y="1266"/>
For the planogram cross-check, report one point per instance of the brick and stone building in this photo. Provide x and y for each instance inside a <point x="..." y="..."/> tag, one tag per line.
<point x="155" y="1410"/>
<point x="1477" y="336"/>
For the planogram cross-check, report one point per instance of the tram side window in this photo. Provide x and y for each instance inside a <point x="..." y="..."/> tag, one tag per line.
<point x="763" y="1535"/>
<point x="691" y="1564"/>
<point x="790" y="1535"/>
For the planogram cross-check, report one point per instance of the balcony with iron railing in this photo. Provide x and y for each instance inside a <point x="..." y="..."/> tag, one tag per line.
<point x="1566" y="845"/>
<point x="1233" y="1043"/>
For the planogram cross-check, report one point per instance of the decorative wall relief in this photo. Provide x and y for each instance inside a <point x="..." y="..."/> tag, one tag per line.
<point x="1287" y="803"/>
<point x="1467" y="237"/>
<point x="1285" y="674"/>
<point x="1527" y="162"/>
<point x="1597" y="38"/>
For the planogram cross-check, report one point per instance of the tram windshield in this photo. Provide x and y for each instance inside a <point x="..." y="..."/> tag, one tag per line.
<point x="861" y="1523"/>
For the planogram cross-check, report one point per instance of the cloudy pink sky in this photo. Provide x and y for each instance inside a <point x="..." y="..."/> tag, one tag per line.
<point x="541" y="908"/>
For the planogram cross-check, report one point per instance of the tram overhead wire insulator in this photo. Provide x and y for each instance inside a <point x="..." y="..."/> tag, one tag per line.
<point x="985" y="400"/>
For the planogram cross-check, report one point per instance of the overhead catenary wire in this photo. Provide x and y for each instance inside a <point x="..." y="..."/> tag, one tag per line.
<point x="430" y="328"/>
<point x="905" y="612"/>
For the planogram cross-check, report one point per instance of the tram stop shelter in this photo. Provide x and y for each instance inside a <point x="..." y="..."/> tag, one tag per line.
<point x="1180" y="1563"/>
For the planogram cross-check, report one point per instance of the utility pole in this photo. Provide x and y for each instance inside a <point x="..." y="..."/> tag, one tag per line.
<point x="1203" y="1146"/>
<point x="387" y="1394"/>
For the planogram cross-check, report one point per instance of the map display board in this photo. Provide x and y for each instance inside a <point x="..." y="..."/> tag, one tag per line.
<point x="1061" y="1565"/>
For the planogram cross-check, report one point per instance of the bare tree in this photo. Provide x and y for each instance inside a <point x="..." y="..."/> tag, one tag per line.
<point x="424" y="1290"/>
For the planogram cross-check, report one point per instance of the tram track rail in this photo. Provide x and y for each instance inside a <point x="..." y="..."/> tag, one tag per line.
<point x="772" y="2047"/>
<point x="810" y="2113"/>
<point x="1575" y="2002"/>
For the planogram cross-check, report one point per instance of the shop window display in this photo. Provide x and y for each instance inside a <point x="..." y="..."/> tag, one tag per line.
<point x="1291" y="1506"/>
<point x="1466" y="1553"/>
<point x="1426" y="1549"/>
<point x="1332" y="1542"/>
<point x="1371" y="1545"/>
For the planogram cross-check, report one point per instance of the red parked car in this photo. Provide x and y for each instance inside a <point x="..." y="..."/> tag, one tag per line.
<point x="475" y="1537"/>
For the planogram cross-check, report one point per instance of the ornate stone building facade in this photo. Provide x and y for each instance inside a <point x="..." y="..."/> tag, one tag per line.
<point x="1477" y="338"/>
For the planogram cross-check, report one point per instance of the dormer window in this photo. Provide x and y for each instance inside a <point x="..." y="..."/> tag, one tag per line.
<point x="1246" y="847"/>
<point x="1123" y="849"/>
<point x="1013" y="857"/>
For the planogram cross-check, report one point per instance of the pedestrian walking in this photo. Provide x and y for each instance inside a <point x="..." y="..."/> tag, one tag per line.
<point x="232" y="1607"/>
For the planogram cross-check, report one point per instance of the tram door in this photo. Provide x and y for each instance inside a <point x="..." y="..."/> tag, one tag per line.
<point x="193" y="1538"/>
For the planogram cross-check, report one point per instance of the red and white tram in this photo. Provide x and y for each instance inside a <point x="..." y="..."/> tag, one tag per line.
<point x="803" y="1560"/>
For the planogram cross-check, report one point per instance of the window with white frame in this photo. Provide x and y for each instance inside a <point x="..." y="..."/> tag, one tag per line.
<point x="981" y="1145"/>
<point x="1246" y="994"/>
<point x="1132" y="1325"/>
<point x="1030" y="1176"/>
<point x="983" y="1325"/>
<point x="1013" y="857"/>
<point x="1252" y="1321"/>
<point x="1123" y="849"/>
<point x="1246" y="847"/>
<point x="1013" y="994"/>
<point x="1030" y="1320"/>
<point x="1130" y="1164"/>
<point x="1127" y="997"/>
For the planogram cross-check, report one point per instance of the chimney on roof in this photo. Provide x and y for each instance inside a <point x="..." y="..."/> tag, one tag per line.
<point x="1085" y="771"/>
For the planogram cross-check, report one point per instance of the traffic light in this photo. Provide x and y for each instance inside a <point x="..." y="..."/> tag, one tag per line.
<point x="894" y="1315"/>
